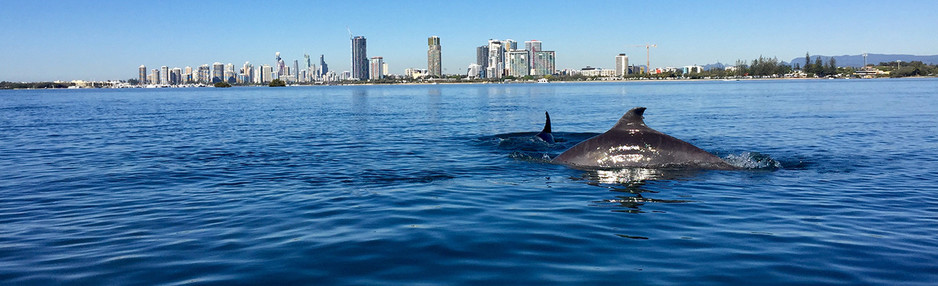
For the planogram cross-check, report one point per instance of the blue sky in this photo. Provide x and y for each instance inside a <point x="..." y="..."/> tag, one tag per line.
<point x="99" y="40"/>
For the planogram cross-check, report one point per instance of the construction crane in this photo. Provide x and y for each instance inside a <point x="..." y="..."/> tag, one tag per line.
<point x="647" y="55"/>
<point x="349" y="33"/>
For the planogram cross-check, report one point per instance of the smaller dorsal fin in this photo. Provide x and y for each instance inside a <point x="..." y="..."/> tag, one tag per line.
<point x="631" y="119"/>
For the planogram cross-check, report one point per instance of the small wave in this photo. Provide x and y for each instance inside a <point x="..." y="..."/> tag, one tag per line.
<point x="753" y="161"/>
<point x="530" y="157"/>
<point x="525" y="146"/>
<point x="394" y="177"/>
<point x="524" y="143"/>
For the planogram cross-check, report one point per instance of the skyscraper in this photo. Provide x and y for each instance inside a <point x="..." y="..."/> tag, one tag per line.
<point x="296" y="71"/>
<point x="377" y="65"/>
<point x="518" y="63"/>
<point x="543" y="63"/>
<point x="247" y="72"/>
<point x="176" y="76"/>
<point x="496" y="60"/>
<point x="187" y="76"/>
<point x="218" y="72"/>
<point x="359" y="58"/>
<point x="434" y="63"/>
<point x="309" y="68"/>
<point x="230" y="73"/>
<point x="164" y="75"/>
<point x="267" y="73"/>
<point x="482" y="59"/>
<point x="323" y="67"/>
<point x="257" y="76"/>
<point x="622" y="65"/>
<point x="154" y="76"/>
<point x="142" y="76"/>
<point x="532" y="46"/>
<point x="281" y="66"/>
<point x="205" y="74"/>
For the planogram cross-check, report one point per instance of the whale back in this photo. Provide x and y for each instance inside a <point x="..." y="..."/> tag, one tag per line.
<point x="631" y="143"/>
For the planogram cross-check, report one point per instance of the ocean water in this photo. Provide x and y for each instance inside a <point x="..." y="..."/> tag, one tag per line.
<point x="441" y="184"/>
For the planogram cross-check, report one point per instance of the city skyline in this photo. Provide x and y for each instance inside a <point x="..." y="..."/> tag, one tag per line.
<point x="530" y="61"/>
<point x="101" y="41"/>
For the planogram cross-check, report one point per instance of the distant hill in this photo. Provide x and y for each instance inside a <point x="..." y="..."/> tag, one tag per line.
<point x="721" y="66"/>
<point x="717" y="65"/>
<point x="857" y="60"/>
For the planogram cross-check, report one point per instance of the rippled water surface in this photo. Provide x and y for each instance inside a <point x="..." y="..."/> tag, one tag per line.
<point x="442" y="184"/>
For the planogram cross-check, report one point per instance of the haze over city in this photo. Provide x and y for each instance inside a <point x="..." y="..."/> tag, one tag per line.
<point x="101" y="40"/>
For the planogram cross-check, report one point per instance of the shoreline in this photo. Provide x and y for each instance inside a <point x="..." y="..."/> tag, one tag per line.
<point x="495" y="83"/>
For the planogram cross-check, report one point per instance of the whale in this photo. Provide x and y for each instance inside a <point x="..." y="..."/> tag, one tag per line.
<point x="632" y="144"/>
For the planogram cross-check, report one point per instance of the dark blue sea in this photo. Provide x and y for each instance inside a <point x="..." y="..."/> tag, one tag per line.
<point x="443" y="184"/>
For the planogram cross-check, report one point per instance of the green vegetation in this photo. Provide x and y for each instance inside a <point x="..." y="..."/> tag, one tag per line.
<point x="277" y="83"/>
<point x="818" y="68"/>
<point x="21" y="85"/>
<point x="767" y="67"/>
<point x="915" y="68"/>
<point x="222" y="84"/>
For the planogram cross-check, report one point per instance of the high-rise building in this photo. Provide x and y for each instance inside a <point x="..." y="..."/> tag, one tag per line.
<point x="176" y="76"/>
<point x="296" y="71"/>
<point x="247" y="73"/>
<point x="518" y="63"/>
<point x="281" y="66"/>
<point x="205" y="74"/>
<point x="323" y="67"/>
<point x="309" y="68"/>
<point x="543" y="63"/>
<point x="257" y="77"/>
<point x="230" y="73"/>
<point x="482" y="59"/>
<point x="218" y="72"/>
<point x="267" y="73"/>
<point x="164" y="75"/>
<point x="154" y="76"/>
<point x="434" y="63"/>
<point x="385" y="70"/>
<point x="187" y="76"/>
<point x="496" y="59"/>
<point x="359" y="58"/>
<point x="622" y="65"/>
<point x="532" y="46"/>
<point x="142" y="75"/>
<point x="508" y="45"/>
<point x="313" y="73"/>
<point x="377" y="64"/>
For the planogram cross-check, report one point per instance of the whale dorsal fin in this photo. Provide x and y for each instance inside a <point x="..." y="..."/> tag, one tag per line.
<point x="545" y="133"/>
<point x="633" y="118"/>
